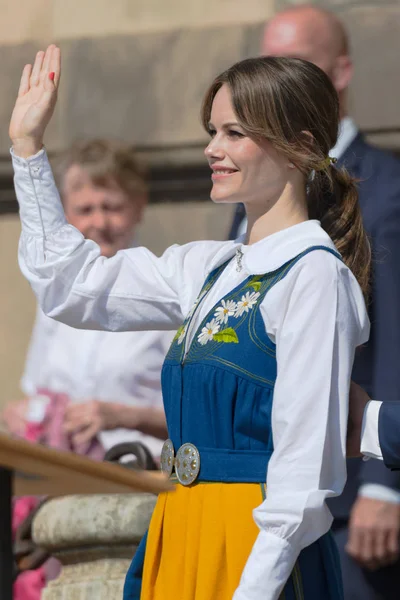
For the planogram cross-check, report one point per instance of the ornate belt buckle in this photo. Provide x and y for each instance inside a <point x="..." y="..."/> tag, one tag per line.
<point x="187" y="464"/>
<point x="167" y="457"/>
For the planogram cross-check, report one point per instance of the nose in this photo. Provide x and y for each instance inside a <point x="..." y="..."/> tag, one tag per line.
<point x="99" y="220"/>
<point x="214" y="149"/>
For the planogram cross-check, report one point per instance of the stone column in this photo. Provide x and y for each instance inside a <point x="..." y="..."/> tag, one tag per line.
<point x="94" y="538"/>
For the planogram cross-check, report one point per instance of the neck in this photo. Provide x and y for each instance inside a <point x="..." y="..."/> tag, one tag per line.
<point x="290" y="209"/>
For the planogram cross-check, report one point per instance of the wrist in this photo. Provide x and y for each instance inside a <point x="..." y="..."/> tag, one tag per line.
<point x="26" y="147"/>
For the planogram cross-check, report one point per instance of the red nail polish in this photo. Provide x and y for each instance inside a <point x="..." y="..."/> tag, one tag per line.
<point x="51" y="76"/>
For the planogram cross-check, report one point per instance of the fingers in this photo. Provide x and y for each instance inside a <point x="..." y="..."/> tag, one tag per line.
<point x="46" y="63"/>
<point x="24" y="84"/>
<point x="76" y="422"/>
<point x="373" y="549"/>
<point x="85" y="436"/>
<point x="393" y="545"/>
<point x="80" y="416"/>
<point x="37" y="68"/>
<point x="55" y="65"/>
<point x="47" y="60"/>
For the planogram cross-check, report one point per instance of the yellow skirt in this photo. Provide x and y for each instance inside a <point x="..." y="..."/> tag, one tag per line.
<point x="199" y="540"/>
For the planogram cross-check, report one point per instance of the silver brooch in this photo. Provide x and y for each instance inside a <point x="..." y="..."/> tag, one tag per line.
<point x="239" y="257"/>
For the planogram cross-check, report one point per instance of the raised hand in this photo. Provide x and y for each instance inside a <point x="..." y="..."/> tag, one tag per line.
<point x="36" y="101"/>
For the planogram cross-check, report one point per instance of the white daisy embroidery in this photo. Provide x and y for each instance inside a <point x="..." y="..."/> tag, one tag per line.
<point x="247" y="302"/>
<point x="225" y="311"/>
<point x="207" y="333"/>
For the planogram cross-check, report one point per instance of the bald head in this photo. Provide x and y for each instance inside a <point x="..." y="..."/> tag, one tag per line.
<point x="314" y="34"/>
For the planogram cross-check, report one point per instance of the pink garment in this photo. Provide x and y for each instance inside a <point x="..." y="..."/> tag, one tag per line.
<point x="29" y="585"/>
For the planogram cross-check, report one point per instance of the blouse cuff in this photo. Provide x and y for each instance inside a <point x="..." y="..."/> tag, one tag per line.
<point x="268" y="568"/>
<point x="370" y="446"/>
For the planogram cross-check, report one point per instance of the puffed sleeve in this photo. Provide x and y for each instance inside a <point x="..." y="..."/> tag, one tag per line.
<point x="317" y="317"/>
<point x="133" y="290"/>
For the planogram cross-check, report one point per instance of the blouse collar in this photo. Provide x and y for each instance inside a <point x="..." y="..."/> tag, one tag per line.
<point x="275" y="250"/>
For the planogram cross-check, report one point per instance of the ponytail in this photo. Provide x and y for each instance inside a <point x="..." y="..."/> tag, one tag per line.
<point x="333" y="200"/>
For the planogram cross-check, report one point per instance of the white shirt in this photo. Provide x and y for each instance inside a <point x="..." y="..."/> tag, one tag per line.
<point x="114" y="367"/>
<point x="316" y="315"/>
<point x="348" y="131"/>
<point x="370" y="445"/>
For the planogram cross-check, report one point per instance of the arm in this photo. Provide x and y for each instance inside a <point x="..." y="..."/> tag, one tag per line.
<point x="380" y="432"/>
<point x="389" y="433"/>
<point x="85" y="420"/>
<point x="375" y="516"/>
<point x="385" y="314"/>
<point x="316" y="335"/>
<point x="134" y="290"/>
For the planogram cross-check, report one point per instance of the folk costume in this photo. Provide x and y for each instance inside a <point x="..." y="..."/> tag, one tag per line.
<point x="255" y="388"/>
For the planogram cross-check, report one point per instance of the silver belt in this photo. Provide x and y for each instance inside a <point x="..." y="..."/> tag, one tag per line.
<point x="185" y="463"/>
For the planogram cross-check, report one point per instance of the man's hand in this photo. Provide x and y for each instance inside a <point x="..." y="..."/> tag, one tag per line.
<point x="374" y="532"/>
<point x="85" y="420"/>
<point x="358" y="401"/>
<point x="14" y="417"/>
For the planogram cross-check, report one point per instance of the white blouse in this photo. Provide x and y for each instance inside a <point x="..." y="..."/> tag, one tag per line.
<point x="316" y="315"/>
<point x="97" y="365"/>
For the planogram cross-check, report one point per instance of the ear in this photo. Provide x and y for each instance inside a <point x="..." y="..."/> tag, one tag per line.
<point x="342" y="73"/>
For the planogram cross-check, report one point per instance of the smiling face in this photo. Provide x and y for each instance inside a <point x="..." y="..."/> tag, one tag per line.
<point x="106" y="215"/>
<point x="243" y="170"/>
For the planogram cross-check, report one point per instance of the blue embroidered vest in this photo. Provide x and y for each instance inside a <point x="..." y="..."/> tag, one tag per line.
<point x="219" y="396"/>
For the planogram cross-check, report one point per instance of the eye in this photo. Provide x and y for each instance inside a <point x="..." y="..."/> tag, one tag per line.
<point x="113" y="208"/>
<point x="83" y="210"/>
<point x="235" y="134"/>
<point x="211" y="132"/>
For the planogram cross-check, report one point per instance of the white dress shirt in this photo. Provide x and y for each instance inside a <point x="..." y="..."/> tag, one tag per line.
<point x="370" y="446"/>
<point x="348" y="131"/>
<point x="114" y="367"/>
<point x="316" y="316"/>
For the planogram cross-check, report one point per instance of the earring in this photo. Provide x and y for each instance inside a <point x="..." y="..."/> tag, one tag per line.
<point x="291" y="166"/>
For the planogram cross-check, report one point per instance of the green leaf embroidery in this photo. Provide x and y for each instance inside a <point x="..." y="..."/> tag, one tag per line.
<point x="227" y="335"/>
<point x="178" y="333"/>
<point x="255" y="284"/>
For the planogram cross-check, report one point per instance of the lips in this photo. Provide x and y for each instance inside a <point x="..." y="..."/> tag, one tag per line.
<point x="221" y="172"/>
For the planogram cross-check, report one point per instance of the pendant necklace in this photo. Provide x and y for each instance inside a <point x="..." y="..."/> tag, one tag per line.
<point x="239" y="257"/>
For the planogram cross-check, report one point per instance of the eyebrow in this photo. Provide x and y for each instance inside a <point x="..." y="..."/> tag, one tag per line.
<point x="225" y="125"/>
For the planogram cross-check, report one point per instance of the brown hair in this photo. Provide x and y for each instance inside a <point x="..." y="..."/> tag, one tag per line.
<point x="107" y="162"/>
<point x="284" y="100"/>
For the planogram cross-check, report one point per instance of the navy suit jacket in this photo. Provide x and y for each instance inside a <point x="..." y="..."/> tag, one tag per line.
<point x="377" y="364"/>
<point x="389" y="433"/>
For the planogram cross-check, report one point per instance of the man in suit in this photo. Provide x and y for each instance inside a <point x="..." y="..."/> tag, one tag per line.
<point x="368" y="512"/>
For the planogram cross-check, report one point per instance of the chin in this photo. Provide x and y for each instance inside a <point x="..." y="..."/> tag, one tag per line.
<point x="108" y="251"/>
<point x="220" y="198"/>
